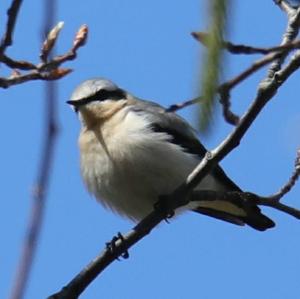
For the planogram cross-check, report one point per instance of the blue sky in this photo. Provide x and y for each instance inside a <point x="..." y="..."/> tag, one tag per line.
<point x="146" y="47"/>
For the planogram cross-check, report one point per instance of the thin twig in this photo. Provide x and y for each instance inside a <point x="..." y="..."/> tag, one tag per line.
<point x="277" y="58"/>
<point x="272" y="53"/>
<point x="46" y="70"/>
<point x="230" y="84"/>
<point x="291" y="182"/>
<point x="290" y="34"/>
<point x="19" y="78"/>
<point x="285" y="6"/>
<point x="10" y="25"/>
<point x="43" y="177"/>
<point x="278" y="55"/>
<point x="246" y="49"/>
<point x="175" y="107"/>
<point x="279" y="206"/>
<point x="18" y="64"/>
<point x="225" y="88"/>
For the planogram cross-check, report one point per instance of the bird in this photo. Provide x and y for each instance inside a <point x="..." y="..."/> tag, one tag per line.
<point x="133" y="151"/>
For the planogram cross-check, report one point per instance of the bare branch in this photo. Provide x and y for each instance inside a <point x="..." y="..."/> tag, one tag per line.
<point x="246" y="49"/>
<point x="279" y="206"/>
<point x="10" y="25"/>
<point x="48" y="70"/>
<point x="279" y="56"/>
<point x="290" y="34"/>
<point x="228" y="85"/>
<point x="184" y="104"/>
<point x="19" y="64"/>
<point x="79" y="41"/>
<point x="44" y="172"/>
<point x="77" y="285"/>
<point x="107" y="256"/>
<point x="225" y="88"/>
<point x="291" y="182"/>
<point x="285" y="6"/>
<point x="18" y="78"/>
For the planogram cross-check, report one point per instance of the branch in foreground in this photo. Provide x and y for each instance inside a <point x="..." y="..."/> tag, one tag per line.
<point x="81" y="281"/>
<point x="39" y="195"/>
<point x="107" y="256"/>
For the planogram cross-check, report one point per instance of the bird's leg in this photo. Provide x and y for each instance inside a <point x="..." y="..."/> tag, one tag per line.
<point x="163" y="206"/>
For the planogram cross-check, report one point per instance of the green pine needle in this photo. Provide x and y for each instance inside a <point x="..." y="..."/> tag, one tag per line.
<point x="213" y="62"/>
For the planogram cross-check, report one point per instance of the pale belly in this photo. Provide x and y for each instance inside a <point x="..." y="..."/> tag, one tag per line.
<point x="129" y="180"/>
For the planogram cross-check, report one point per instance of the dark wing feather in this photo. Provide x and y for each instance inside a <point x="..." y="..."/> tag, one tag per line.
<point x="193" y="146"/>
<point x="182" y="134"/>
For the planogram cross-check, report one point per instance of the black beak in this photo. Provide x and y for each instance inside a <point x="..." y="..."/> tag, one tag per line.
<point x="74" y="103"/>
<point x="80" y="102"/>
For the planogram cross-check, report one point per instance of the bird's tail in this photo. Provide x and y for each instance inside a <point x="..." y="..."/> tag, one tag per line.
<point x="237" y="211"/>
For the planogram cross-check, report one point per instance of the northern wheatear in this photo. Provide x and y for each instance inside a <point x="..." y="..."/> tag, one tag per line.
<point x="133" y="151"/>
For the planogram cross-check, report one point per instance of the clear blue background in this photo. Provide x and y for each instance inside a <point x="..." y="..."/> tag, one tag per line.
<point x="146" y="47"/>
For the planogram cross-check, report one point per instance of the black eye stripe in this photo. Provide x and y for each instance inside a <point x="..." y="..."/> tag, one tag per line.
<point x="99" y="96"/>
<point x="103" y="95"/>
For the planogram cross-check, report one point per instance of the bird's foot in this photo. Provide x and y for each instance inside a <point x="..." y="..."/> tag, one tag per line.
<point x="112" y="246"/>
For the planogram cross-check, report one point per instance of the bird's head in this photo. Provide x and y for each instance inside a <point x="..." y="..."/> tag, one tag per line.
<point x="96" y="100"/>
